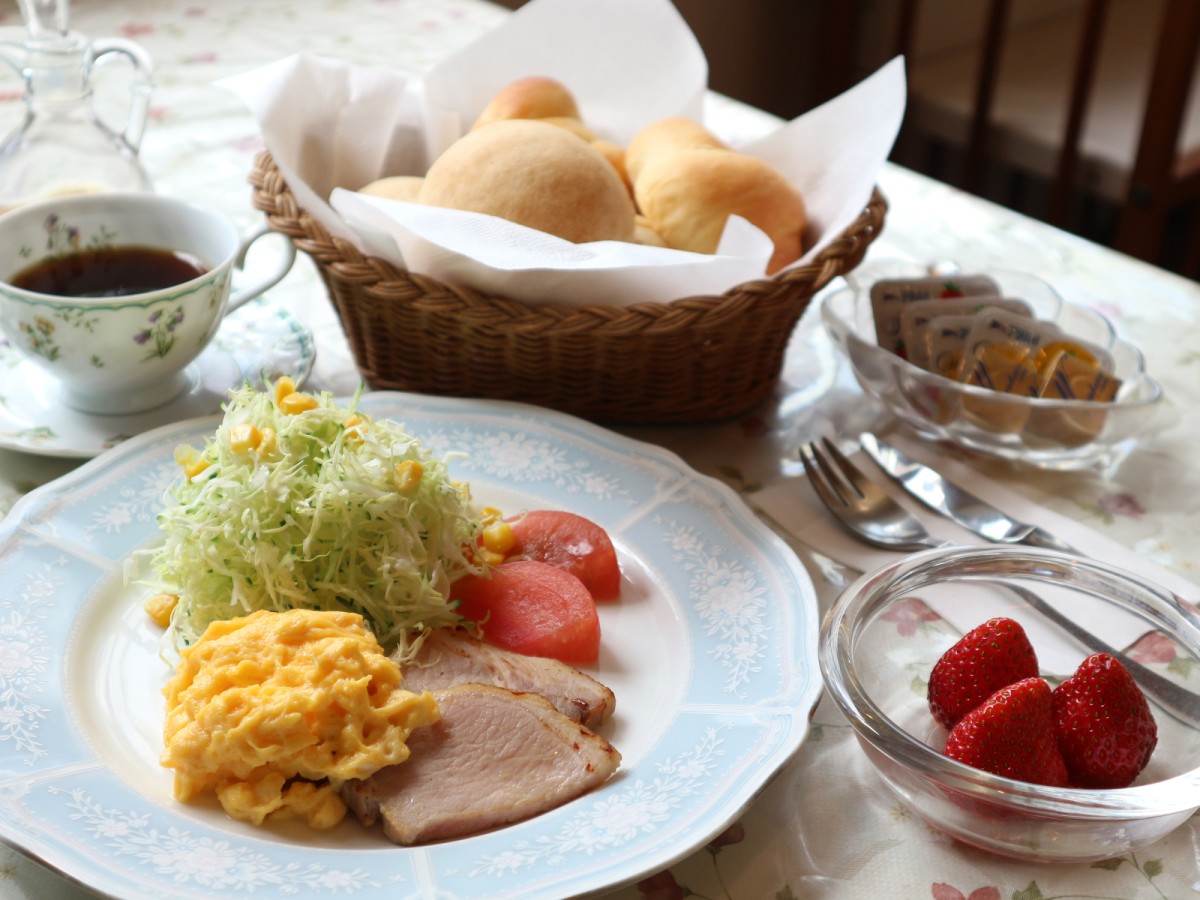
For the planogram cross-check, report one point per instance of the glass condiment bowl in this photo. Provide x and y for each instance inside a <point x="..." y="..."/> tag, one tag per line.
<point x="876" y="670"/>
<point x="1050" y="434"/>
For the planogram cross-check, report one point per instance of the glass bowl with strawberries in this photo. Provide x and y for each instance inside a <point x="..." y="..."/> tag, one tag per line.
<point x="988" y="709"/>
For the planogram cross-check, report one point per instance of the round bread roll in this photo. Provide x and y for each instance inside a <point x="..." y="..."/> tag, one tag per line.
<point x="534" y="97"/>
<point x="534" y="174"/>
<point x="395" y="187"/>
<point x="689" y="195"/>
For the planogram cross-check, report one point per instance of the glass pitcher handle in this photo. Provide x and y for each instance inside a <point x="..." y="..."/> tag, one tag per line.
<point x="143" y="68"/>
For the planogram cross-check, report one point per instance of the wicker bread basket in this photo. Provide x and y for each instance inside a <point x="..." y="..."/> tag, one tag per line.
<point x="696" y="359"/>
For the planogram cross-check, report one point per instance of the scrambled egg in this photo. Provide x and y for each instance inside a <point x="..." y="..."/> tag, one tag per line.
<point x="274" y="711"/>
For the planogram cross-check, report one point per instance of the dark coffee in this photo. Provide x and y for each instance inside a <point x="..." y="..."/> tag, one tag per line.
<point x="108" y="272"/>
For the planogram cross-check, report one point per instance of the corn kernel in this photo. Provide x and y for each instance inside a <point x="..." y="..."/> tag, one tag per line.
<point x="195" y="467"/>
<point x="490" y="556"/>
<point x="490" y="514"/>
<point x="296" y="402"/>
<point x="499" y="538"/>
<point x="356" y="427"/>
<point x="408" y="475"/>
<point x="159" y="608"/>
<point x="244" y="436"/>
<point x="190" y="461"/>
<point x="283" y="387"/>
<point x="267" y="446"/>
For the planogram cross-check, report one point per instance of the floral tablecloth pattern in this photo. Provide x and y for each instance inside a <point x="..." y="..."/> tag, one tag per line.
<point x="825" y="827"/>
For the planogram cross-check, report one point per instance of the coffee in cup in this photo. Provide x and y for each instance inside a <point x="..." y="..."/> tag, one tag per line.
<point x="115" y="294"/>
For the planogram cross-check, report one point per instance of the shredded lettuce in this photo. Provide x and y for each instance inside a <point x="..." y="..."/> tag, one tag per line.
<point x="320" y="515"/>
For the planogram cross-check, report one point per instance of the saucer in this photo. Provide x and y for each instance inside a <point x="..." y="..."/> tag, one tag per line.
<point x="257" y="343"/>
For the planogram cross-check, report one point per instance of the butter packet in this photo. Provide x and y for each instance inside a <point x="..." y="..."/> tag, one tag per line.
<point x="1074" y="370"/>
<point x="915" y="318"/>
<point x="889" y="297"/>
<point x="944" y="341"/>
<point x="941" y="340"/>
<point x="1006" y="352"/>
<point x="1003" y="353"/>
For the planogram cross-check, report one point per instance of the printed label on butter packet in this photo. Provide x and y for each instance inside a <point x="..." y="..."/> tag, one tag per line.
<point x="889" y="297"/>
<point x="915" y="318"/>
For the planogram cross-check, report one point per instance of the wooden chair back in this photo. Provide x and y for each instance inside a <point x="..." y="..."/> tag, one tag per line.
<point x="1161" y="178"/>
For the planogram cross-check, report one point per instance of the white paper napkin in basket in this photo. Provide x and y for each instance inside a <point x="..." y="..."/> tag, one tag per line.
<point x="794" y="505"/>
<point x="332" y="127"/>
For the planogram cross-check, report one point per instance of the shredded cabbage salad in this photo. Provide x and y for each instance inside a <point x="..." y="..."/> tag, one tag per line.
<point x="328" y="510"/>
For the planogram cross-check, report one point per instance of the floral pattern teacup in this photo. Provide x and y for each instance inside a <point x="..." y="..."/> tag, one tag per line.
<point x="128" y="353"/>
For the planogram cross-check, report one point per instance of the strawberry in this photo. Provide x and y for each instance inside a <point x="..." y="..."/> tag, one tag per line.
<point x="995" y="654"/>
<point x="1103" y="723"/>
<point x="1012" y="734"/>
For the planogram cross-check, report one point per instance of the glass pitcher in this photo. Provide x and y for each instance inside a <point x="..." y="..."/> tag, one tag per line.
<point x="62" y="145"/>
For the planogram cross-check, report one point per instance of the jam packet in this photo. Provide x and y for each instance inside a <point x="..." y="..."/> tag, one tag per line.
<point x="889" y="296"/>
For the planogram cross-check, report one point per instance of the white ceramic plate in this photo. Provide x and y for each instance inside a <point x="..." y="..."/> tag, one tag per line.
<point x="257" y="341"/>
<point x="711" y="651"/>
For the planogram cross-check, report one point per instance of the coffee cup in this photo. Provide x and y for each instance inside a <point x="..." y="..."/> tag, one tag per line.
<point x="115" y="294"/>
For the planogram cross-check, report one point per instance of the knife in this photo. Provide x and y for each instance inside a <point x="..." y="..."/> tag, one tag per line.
<point x="956" y="504"/>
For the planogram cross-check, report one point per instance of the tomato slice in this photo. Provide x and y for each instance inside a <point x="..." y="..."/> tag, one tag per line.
<point x="573" y="543"/>
<point x="533" y="608"/>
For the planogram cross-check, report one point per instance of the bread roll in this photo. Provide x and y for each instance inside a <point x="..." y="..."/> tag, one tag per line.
<point x="395" y="187"/>
<point x="687" y="184"/>
<point x="535" y="97"/>
<point x="665" y="137"/>
<point x="534" y="174"/>
<point x="689" y="196"/>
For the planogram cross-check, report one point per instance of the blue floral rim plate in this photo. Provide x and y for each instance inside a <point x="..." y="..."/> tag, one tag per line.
<point x="259" y="341"/>
<point x="711" y="651"/>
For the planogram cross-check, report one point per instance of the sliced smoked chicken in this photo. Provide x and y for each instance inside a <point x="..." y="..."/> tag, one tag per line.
<point x="449" y="657"/>
<point x="496" y="757"/>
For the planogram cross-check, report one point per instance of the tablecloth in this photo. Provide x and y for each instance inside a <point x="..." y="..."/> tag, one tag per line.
<point x="825" y="826"/>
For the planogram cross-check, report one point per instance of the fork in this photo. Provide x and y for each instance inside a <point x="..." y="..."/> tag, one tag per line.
<point x="868" y="512"/>
<point x="861" y="505"/>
